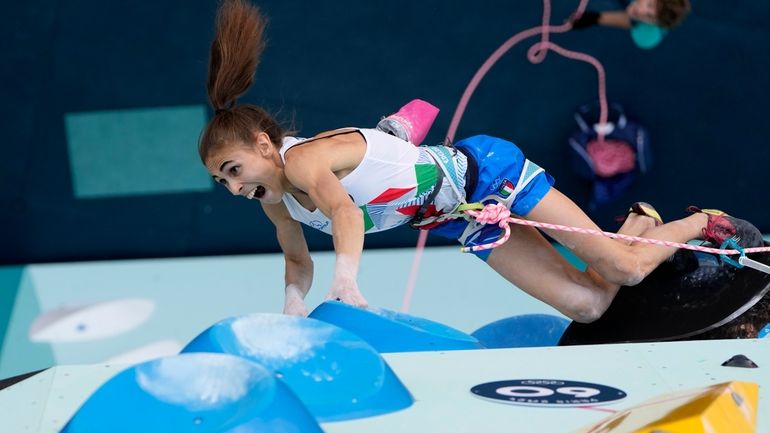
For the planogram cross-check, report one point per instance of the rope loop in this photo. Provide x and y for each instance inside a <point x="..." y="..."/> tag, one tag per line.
<point x="493" y="213"/>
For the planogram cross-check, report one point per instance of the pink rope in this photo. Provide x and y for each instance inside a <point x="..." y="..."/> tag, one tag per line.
<point x="406" y="302"/>
<point x="536" y="54"/>
<point x="584" y="58"/>
<point x="491" y="214"/>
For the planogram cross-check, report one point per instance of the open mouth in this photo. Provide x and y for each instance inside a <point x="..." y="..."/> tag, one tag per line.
<point x="257" y="193"/>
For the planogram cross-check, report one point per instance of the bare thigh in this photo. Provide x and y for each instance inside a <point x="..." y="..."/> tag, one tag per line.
<point x="615" y="261"/>
<point x="531" y="263"/>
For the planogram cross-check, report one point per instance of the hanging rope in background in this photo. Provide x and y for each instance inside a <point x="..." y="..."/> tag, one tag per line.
<point x="536" y="54"/>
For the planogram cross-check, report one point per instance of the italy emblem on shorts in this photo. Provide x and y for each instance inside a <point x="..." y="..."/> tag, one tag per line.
<point x="506" y="189"/>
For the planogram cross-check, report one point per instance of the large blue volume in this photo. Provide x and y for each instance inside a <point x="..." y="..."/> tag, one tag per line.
<point x="193" y="393"/>
<point x="525" y="330"/>
<point x="336" y="374"/>
<point x="390" y="331"/>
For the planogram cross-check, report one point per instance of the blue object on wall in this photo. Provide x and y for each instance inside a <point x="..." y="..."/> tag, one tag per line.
<point x="390" y="331"/>
<point x="764" y="332"/>
<point x="195" y="393"/>
<point x="335" y="373"/>
<point x="526" y="330"/>
<point x="621" y="133"/>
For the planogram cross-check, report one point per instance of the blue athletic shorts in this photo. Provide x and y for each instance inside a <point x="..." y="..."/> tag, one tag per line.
<point x="503" y="175"/>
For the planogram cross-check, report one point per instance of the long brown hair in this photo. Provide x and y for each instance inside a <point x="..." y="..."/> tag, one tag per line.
<point x="235" y="51"/>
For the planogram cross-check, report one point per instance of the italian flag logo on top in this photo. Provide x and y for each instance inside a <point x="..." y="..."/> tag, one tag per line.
<point x="506" y="189"/>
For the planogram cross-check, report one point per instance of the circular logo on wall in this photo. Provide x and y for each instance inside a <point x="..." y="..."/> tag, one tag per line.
<point x="548" y="392"/>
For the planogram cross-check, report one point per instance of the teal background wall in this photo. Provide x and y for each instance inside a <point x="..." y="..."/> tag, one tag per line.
<point x="10" y="277"/>
<point x="78" y="76"/>
<point x="135" y="152"/>
<point x="17" y="353"/>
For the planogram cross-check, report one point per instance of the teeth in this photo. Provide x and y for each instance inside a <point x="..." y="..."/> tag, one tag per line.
<point x="250" y="196"/>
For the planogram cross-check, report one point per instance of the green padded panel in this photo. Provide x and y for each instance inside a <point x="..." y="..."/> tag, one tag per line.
<point x="19" y="354"/>
<point x="136" y="152"/>
<point x="9" y="285"/>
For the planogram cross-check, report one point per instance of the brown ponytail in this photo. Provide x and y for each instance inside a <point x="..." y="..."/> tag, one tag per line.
<point x="235" y="52"/>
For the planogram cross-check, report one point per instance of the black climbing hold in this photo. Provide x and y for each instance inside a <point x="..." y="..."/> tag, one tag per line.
<point x="740" y="361"/>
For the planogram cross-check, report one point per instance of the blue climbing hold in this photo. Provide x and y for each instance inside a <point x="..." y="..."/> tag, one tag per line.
<point x="390" y="331"/>
<point x="764" y="332"/>
<point x="337" y="375"/>
<point x="526" y="330"/>
<point x="193" y="393"/>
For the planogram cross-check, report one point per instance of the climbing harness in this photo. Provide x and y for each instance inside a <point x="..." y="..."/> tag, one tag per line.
<point x="449" y="168"/>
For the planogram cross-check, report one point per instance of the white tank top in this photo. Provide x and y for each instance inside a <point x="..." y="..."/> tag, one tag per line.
<point x="392" y="181"/>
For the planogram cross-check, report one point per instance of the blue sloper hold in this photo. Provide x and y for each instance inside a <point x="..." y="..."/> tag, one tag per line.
<point x="390" y="331"/>
<point x="525" y="330"/>
<point x="193" y="393"/>
<point x="764" y="332"/>
<point x="337" y="375"/>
